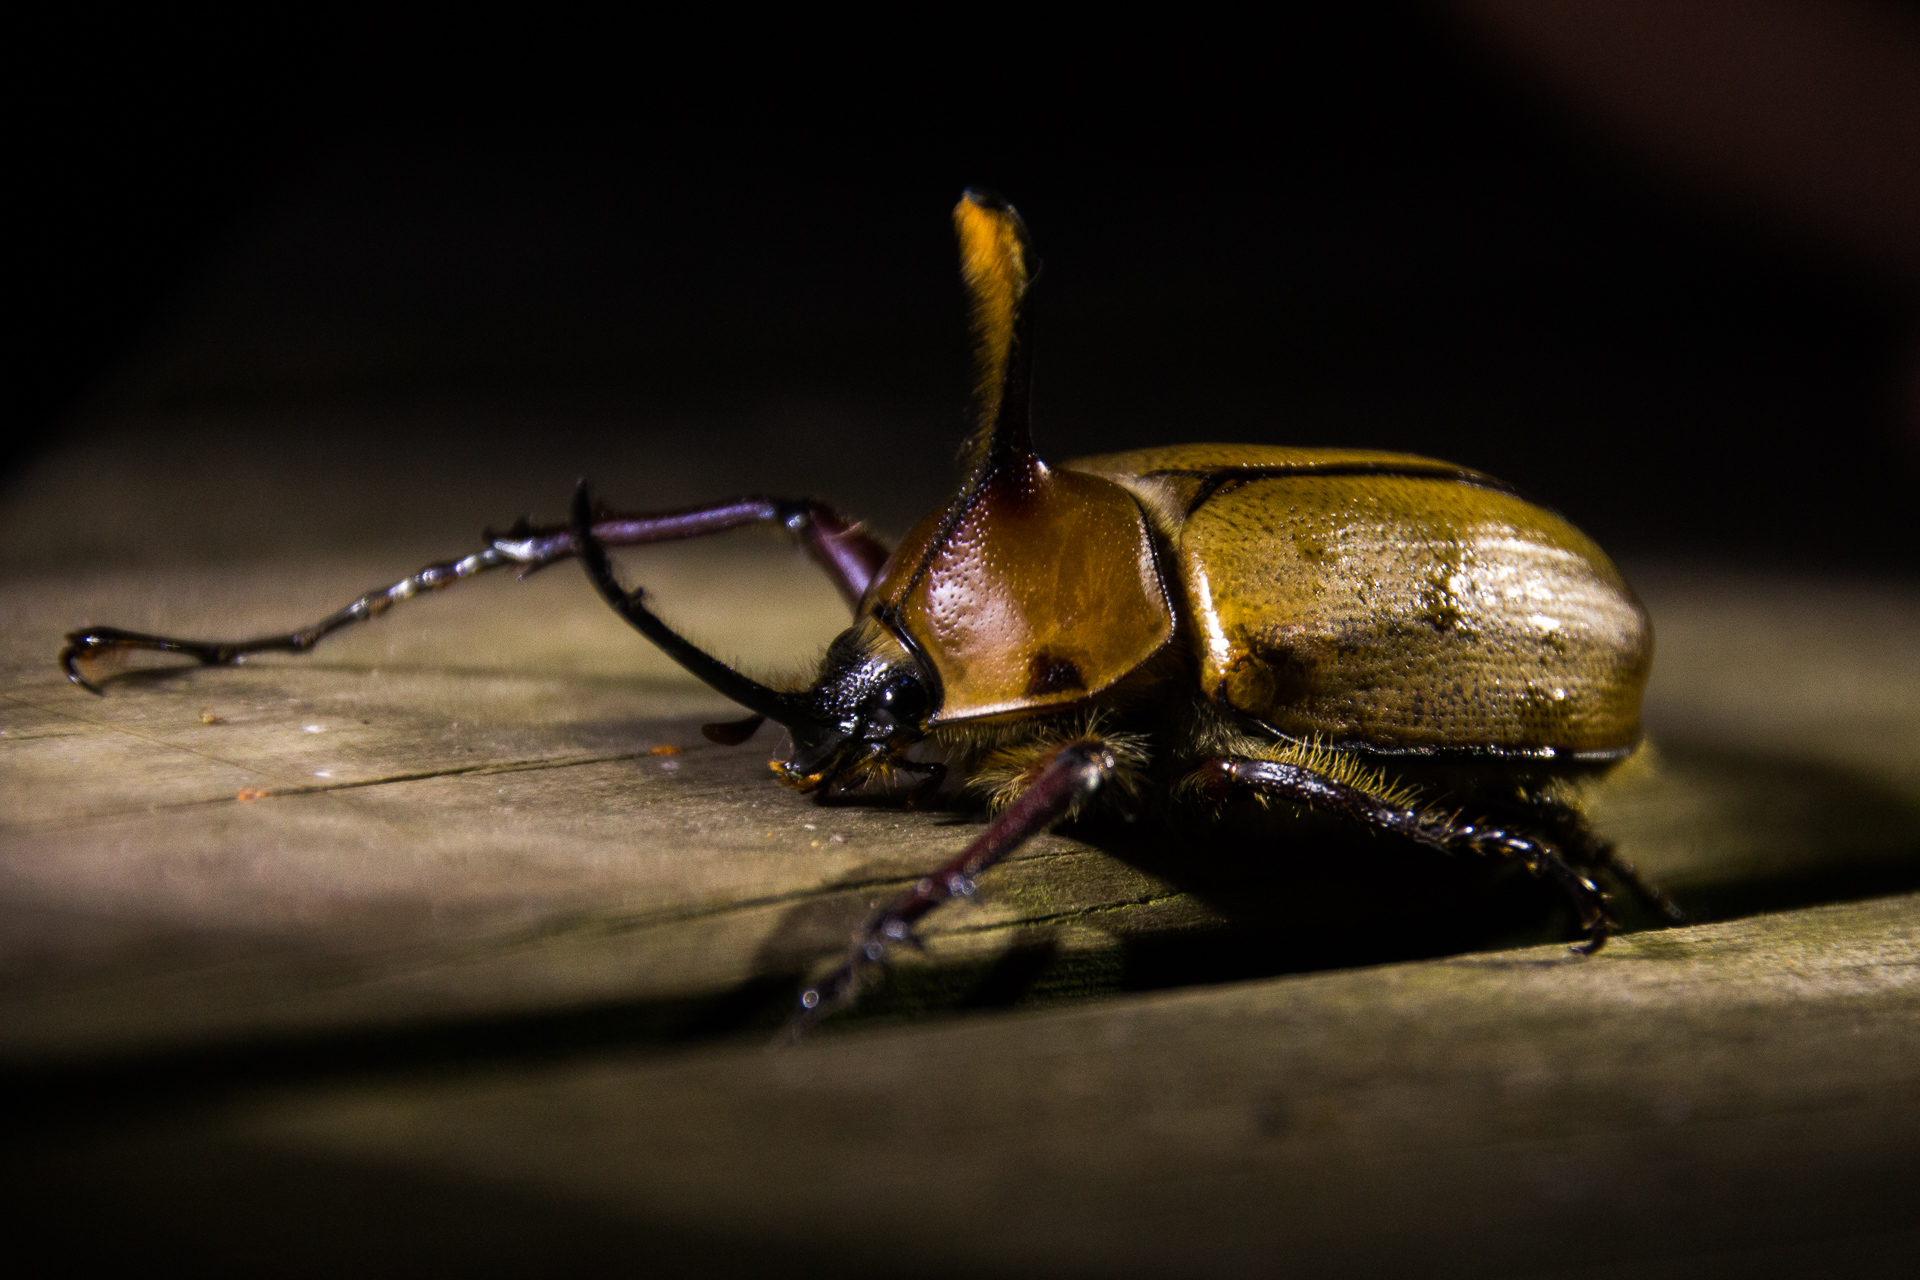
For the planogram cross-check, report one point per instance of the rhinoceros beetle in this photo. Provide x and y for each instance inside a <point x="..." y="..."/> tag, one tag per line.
<point x="1330" y="629"/>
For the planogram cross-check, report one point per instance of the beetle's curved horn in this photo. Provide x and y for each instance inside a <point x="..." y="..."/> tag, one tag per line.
<point x="789" y="709"/>
<point x="997" y="263"/>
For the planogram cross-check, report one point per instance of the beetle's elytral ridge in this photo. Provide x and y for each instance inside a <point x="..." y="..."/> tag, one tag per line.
<point x="1215" y="482"/>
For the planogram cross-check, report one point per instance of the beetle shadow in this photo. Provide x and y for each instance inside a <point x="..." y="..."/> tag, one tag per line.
<point x="1285" y="897"/>
<point x="1736" y="833"/>
<point x="1300" y="894"/>
<point x="1727" y="833"/>
<point x="1730" y="833"/>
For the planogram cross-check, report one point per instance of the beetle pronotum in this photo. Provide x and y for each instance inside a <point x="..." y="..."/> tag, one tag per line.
<point x="1322" y="628"/>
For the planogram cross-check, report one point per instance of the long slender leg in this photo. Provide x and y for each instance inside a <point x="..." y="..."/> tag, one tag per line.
<point x="1075" y="772"/>
<point x="1220" y="778"/>
<point x="849" y="555"/>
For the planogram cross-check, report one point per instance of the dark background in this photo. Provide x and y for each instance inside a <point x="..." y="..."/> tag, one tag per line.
<point x="1455" y="230"/>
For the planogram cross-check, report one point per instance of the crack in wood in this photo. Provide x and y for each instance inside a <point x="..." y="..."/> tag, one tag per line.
<point x="249" y="795"/>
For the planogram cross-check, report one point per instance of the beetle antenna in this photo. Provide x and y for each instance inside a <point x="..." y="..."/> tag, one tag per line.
<point x="998" y="264"/>
<point x="788" y="709"/>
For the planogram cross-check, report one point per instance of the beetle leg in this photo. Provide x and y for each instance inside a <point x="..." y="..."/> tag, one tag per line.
<point x="851" y="788"/>
<point x="933" y="774"/>
<point x="1220" y="778"/>
<point x="1602" y="858"/>
<point x="1075" y="772"/>
<point x="849" y="555"/>
<point x="1576" y="840"/>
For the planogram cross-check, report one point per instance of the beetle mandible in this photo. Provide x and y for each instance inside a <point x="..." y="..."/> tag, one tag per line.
<point x="1331" y="629"/>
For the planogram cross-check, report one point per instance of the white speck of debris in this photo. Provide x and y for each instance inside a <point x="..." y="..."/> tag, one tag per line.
<point x="316" y="728"/>
<point x="323" y="773"/>
<point x="836" y="838"/>
<point x="808" y="825"/>
<point x="669" y="766"/>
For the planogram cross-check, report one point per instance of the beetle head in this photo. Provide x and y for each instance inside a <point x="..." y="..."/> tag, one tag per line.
<point x="1027" y="591"/>
<point x="869" y="704"/>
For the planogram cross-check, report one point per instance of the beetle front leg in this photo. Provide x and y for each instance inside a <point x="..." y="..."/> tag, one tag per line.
<point x="844" y="550"/>
<point x="1218" y="779"/>
<point x="841" y="547"/>
<point x="1075" y="771"/>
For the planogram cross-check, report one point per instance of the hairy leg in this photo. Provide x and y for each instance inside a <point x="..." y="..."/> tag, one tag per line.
<point x="849" y="555"/>
<point x="1220" y="778"/>
<point x="1075" y="772"/>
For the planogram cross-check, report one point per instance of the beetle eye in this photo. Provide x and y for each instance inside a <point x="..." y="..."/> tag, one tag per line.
<point x="904" y="701"/>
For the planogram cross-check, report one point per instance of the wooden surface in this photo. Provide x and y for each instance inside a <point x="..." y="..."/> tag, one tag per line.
<point x="424" y="950"/>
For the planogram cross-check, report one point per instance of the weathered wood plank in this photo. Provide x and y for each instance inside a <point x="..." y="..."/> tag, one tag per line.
<point x="447" y="991"/>
<point x="1740" y="1098"/>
